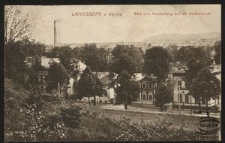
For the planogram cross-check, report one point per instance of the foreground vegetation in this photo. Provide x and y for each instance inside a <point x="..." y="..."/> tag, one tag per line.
<point x="34" y="118"/>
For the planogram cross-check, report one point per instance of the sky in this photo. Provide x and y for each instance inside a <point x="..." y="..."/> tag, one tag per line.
<point x="125" y="28"/>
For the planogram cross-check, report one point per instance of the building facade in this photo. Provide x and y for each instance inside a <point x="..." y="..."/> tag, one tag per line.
<point x="147" y="90"/>
<point x="181" y="96"/>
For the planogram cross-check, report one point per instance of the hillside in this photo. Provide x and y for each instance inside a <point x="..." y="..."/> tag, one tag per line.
<point x="14" y="93"/>
<point x="182" y="37"/>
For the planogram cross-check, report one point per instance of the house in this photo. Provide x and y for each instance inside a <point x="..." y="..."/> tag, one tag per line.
<point x="180" y="91"/>
<point x="46" y="62"/>
<point x="146" y="85"/>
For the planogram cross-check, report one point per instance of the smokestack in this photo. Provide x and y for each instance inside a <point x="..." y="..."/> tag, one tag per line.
<point x="55" y="34"/>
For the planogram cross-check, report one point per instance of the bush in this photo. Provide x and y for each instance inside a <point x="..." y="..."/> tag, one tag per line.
<point x="52" y="129"/>
<point x="71" y="116"/>
<point x="159" y="131"/>
<point x="93" y="129"/>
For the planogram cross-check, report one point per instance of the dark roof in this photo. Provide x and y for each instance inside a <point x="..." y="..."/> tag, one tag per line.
<point x="146" y="78"/>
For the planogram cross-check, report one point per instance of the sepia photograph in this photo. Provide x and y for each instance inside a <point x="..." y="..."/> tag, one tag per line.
<point x="81" y="73"/>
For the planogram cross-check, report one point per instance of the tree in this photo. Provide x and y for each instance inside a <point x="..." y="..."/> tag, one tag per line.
<point x="194" y="66"/>
<point x="16" y="24"/>
<point x="57" y="78"/>
<point x="163" y="95"/>
<point x="126" y="58"/>
<point x="98" y="88"/>
<point x="137" y="55"/>
<point x="16" y="53"/>
<point x="89" y="85"/>
<point x="65" y="56"/>
<point x="217" y="48"/>
<point x="184" y="53"/>
<point x="90" y="56"/>
<point x="201" y="53"/>
<point x="85" y="85"/>
<point x="103" y="60"/>
<point x="15" y="56"/>
<point x="172" y="50"/>
<point x="205" y="86"/>
<point x="124" y="64"/>
<point x="130" y="56"/>
<point x="33" y="80"/>
<point x="157" y="63"/>
<point x="77" y="53"/>
<point x="127" y="90"/>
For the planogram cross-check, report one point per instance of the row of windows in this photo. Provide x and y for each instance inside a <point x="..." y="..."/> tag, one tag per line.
<point x="42" y="79"/>
<point x="145" y="97"/>
<point x="147" y="85"/>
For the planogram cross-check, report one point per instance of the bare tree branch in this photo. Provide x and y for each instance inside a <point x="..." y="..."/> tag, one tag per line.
<point x="17" y="24"/>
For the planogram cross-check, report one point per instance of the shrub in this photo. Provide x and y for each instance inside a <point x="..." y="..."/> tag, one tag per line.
<point x="159" y="131"/>
<point x="52" y="129"/>
<point x="71" y="116"/>
<point x="93" y="129"/>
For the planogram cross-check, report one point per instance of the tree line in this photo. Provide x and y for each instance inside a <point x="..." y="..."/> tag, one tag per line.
<point x="121" y="62"/>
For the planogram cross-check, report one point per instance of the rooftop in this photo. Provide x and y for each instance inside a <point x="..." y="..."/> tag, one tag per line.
<point x="45" y="62"/>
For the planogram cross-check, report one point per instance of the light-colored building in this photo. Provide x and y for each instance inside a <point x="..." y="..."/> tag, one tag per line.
<point x="46" y="62"/>
<point x="147" y="90"/>
<point x="181" y="94"/>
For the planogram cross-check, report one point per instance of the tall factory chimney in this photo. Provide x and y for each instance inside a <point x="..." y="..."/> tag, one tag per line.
<point x="55" y="34"/>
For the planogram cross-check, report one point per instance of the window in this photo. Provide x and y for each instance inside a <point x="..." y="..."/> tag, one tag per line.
<point x="43" y="78"/>
<point x="186" y="99"/>
<point x="144" y="97"/>
<point x="150" y="98"/>
<point x="180" y="98"/>
<point x="150" y="85"/>
<point x="143" y="85"/>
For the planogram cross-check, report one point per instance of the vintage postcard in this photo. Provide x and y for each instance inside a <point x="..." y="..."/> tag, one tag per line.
<point x="112" y="73"/>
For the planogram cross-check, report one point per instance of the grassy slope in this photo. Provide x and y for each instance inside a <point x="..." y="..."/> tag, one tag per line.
<point x="91" y="128"/>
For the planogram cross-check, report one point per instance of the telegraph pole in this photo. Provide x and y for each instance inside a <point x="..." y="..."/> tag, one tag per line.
<point x="179" y="100"/>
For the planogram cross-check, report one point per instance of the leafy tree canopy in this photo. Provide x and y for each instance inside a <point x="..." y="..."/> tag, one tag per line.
<point x="205" y="85"/>
<point x="163" y="95"/>
<point x="157" y="62"/>
<point x="57" y="74"/>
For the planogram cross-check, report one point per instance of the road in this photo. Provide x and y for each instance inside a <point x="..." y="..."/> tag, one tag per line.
<point x="146" y="110"/>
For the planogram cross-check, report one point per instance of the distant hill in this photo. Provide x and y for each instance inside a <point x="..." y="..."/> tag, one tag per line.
<point x="160" y="40"/>
<point x="182" y="37"/>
